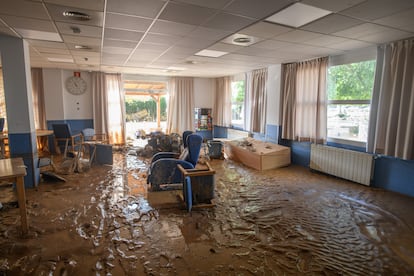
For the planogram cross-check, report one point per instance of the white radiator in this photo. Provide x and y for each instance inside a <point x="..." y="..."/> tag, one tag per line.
<point x="352" y="165"/>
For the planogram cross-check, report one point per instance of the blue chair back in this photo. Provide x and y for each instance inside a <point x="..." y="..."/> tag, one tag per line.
<point x="88" y="134"/>
<point x="62" y="131"/>
<point x="194" y="142"/>
<point x="185" y="136"/>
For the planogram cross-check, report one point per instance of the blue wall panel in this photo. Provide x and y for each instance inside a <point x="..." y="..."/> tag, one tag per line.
<point x="394" y="174"/>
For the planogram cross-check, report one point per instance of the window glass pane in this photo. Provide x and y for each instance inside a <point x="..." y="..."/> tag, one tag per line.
<point x="351" y="81"/>
<point x="237" y="103"/>
<point x="348" y="121"/>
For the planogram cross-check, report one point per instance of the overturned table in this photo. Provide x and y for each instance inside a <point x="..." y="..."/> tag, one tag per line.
<point x="258" y="155"/>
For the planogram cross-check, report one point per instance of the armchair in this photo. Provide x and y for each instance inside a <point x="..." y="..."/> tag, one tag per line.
<point x="163" y="168"/>
<point x="63" y="133"/>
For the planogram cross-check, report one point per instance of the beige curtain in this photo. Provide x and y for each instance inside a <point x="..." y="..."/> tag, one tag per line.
<point x="222" y="102"/>
<point x="3" y="111"/>
<point x="38" y="99"/>
<point x="304" y="101"/>
<point x="256" y="100"/>
<point x="109" y="106"/>
<point x="180" y="105"/>
<point x="289" y="101"/>
<point x="392" y="120"/>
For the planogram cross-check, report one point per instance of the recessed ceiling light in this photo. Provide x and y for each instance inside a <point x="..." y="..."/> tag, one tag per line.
<point x="77" y="15"/>
<point x="242" y="40"/>
<point x="297" y="15"/>
<point x="65" y="60"/>
<point x="210" y="53"/>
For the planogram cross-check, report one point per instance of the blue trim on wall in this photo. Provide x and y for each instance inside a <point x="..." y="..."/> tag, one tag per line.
<point x="220" y="132"/>
<point x="299" y="152"/>
<point x="24" y="145"/>
<point x="344" y="146"/>
<point x="394" y="174"/>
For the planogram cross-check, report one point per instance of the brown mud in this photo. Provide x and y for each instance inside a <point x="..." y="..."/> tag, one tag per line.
<point x="287" y="221"/>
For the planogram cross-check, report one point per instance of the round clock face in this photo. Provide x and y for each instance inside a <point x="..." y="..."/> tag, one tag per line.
<point x="76" y="85"/>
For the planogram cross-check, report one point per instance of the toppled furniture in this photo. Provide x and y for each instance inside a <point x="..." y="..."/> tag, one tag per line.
<point x="163" y="169"/>
<point x="198" y="186"/>
<point x="96" y="145"/>
<point x="63" y="133"/>
<point x="258" y="155"/>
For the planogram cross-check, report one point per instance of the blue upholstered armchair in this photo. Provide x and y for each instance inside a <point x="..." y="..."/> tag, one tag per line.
<point x="163" y="168"/>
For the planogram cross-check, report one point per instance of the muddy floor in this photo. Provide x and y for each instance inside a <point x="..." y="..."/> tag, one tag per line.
<point x="287" y="221"/>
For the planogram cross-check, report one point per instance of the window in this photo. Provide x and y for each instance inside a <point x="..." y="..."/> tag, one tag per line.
<point x="145" y="106"/>
<point x="237" y="104"/>
<point x="349" y="95"/>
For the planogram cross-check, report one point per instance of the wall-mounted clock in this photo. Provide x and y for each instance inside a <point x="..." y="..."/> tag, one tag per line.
<point x="76" y="85"/>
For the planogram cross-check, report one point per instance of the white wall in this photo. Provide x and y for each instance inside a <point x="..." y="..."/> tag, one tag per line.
<point x="273" y="94"/>
<point x="204" y="92"/>
<point x="59" y="103"/>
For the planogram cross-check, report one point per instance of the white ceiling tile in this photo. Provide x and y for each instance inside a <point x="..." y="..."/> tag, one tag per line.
<point x="145" y="8"/>
<point x="265" y="30"/>
<point x="273" y="44"/>
<point x="122" y="35"/>
<point x="149" y="55"/>
<point x="254" y="51"/>
<point x="297" y="36"/>
<point x="226" y="21"/>
<point x="325" y="40"/>
<point x="53" y="50"/>
<point x="113" y="59"/>
<point x="403" y="20"/>
<point x="215" y="4"/>
<point x="194" y="43"/>
<point x="254" y="9"/>
<point x="29" y="23"/>
<point x="171" y="28"/>
<point x="95" y="5"/>
<point x="331" y="23"/>
<point x="23" y="8"/>
<point x="152" y="46"/>
<point x="161" y="39"/>
<point x="56" y="12"/>
<point x="386" y="36"/>
<point x="91" y="31"/>
<point x="224" y="47"/>
<point x="46" y="44"/>
<point x="361" y="30"/>
<point x="119" y="43"/>
<point x="350" y="45"/>
<point x="374" y="9"/>
<point x="127" y="22"/>
<point x="116" y="50"/>
<point x="89" y="54"/>
<point x="208" y="33"/>
<point x="332" y="5"/>
<point x="81" y="40"/>
<point x="186" y="13"/>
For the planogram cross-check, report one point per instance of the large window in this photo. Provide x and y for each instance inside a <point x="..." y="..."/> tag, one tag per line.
<point x="237" y="104"/>
<point x="349" y="94"/>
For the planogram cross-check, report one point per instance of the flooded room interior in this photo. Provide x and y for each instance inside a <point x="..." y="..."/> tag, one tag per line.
<point x="187" y="137"/>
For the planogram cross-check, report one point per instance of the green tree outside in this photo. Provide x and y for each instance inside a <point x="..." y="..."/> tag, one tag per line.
<point x="137" y="110"/>
<point x="353" y="81"/>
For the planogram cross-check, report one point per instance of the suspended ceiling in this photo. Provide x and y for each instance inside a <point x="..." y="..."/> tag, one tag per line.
<point x="160" y="37"/>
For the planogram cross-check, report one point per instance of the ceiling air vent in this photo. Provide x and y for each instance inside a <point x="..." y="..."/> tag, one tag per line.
<point x="80" y="16"/>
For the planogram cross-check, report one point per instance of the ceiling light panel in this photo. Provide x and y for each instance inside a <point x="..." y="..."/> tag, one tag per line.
<point x="65" y="60"/>
<point x="298" y="15"/>
<point x="210" y="53"/>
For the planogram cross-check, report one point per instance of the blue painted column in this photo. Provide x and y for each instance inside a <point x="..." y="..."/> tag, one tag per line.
<point x="17" y="83"/>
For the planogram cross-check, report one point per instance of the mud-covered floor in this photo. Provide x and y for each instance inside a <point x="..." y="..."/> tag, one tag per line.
<point x="286" y="221"/>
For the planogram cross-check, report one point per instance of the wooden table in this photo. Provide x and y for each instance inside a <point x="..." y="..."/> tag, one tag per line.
<point x="13" y="169"/>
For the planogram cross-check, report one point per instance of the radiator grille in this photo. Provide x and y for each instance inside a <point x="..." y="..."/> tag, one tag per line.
<point x="347" y="164"/>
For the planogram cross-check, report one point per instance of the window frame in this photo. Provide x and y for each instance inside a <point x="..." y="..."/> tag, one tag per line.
<point x="361" y="55"/>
